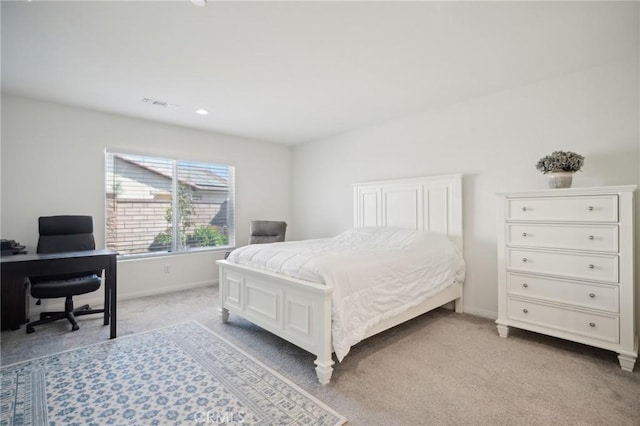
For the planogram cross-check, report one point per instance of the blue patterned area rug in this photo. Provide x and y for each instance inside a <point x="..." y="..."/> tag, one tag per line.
<point x="183" y="374"/>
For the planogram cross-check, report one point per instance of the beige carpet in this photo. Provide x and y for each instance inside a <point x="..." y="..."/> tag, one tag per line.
<point x="440" y="369"/>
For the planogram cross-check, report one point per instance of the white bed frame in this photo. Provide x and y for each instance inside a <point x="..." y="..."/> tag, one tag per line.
<point x="300" y="311"/>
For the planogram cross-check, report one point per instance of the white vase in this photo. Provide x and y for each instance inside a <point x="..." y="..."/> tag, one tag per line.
<point x="560" y="179"/>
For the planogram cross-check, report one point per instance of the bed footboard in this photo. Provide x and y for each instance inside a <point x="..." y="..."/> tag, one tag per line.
<point x="296" y="310"/>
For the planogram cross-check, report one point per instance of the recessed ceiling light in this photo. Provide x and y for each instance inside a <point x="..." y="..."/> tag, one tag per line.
<point x="202" y="111"/>
<point x="200" y="3"/>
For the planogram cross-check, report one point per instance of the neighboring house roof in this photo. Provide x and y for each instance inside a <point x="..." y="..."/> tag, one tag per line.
<point x="221" y="218"/>
<point x="197" y="177"/>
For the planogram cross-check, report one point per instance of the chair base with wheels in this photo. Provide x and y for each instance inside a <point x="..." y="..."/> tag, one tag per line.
<point x="69" y="313"/>
<point x="55" y="289"/>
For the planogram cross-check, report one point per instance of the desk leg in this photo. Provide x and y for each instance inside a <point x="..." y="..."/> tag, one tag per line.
<point x="107" y="297"/>
<point x="111" y="285"/>
<point x="15" y="303"/>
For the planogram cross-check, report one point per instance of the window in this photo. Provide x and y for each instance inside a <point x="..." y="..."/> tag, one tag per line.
<point x="162" y="205"/>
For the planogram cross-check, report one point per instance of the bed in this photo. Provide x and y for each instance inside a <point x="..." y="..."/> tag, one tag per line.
<point x="307" y="292"/>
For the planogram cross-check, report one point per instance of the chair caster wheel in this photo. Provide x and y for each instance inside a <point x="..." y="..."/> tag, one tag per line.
<point x="75" y="327"/>
<point x="30" y="330"/>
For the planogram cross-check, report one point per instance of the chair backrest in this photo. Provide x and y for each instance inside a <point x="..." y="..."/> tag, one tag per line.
<point x="65" y="233"/>
<point x="267" y="231"/>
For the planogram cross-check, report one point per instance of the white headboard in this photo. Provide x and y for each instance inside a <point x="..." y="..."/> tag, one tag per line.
<point x="429" y="204"/>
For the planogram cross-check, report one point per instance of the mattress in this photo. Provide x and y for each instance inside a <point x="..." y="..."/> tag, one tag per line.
<point x="376" y="273"/>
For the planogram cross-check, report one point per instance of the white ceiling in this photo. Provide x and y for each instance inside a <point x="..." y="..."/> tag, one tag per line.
<point x="292" y="72"/>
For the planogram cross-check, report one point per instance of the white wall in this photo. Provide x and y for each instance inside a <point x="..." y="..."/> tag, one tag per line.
<point x="53" y="163"/>
<point x="637" y="224"/>
<point x="494" y="141"/>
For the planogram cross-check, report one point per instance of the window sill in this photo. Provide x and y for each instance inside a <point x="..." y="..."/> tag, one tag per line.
<point x="202" y="251"/>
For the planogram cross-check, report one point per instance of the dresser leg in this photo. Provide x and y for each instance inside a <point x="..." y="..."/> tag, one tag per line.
<point x="626" y="362"/>
<point x="503" y="330"/>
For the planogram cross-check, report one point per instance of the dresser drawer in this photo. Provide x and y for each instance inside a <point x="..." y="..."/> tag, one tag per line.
<point x="602" y="327"/>
<point x="602" y="208"/>
<point x="572" y="265"/>
<point x="577" y="237"/>
<point x="594" y="296"/>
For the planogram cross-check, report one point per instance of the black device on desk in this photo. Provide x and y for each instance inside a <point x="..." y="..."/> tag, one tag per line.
<point x="11" y="247"/>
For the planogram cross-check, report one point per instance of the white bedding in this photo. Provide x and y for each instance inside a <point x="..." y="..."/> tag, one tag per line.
<point x="376" y="273"/>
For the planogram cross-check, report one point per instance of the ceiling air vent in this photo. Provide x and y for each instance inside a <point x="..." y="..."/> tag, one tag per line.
<point x="155" y="102"/>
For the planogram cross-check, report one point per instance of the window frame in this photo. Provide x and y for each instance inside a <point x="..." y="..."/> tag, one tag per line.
<point x="176" y="248"/>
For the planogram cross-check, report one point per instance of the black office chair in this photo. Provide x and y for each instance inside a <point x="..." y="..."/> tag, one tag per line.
<point x="65" y="234"/>
<point x="267" y="231"/>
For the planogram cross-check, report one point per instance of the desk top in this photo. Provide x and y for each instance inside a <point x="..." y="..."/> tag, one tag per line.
<point x="51" y="256"/>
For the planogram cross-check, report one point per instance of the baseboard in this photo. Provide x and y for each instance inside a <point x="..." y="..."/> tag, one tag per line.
<point x="480" y="312"/>
<point x="164" y="290"/>
<point x="97" y="298"/>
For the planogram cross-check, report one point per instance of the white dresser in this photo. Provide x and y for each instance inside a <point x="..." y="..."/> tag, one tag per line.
<point x="566" y="266"/>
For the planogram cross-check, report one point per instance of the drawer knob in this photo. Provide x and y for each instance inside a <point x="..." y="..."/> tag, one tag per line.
<point x="591" y="237"/>
<point x="524" y="209"/>
<point x="590" y="208"/>
<point x="525" y="260"/>
<point x="524" y="234"/>
<point x="592" y="324"/>
<point x="591" y="295"/>
<point x="525" y="285"/>
<point x="526" y="311"/>
<point x="592" y="266"/>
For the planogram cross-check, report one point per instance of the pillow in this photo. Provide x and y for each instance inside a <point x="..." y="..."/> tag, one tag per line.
<point x="387" y="237"/>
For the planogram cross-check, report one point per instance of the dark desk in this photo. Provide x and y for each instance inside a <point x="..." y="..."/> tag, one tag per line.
<point x="14" y="269"/>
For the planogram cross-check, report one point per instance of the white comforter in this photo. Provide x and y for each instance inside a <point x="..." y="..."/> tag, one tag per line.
<point x="376" y="273"/>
